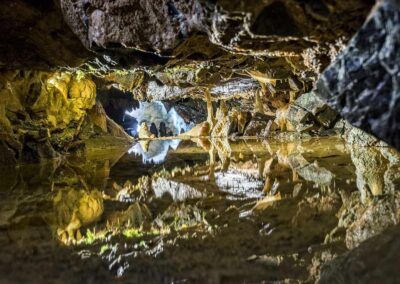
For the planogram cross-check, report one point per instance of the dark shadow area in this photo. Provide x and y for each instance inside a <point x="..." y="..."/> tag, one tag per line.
<point x="275" y="19"/>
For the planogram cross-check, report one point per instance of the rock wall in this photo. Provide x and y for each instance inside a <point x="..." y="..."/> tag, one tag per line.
<point x="42" y="113"/>
<point x="143" y="25"/>
<point x="363" y="84"/>
<point x="34" y="35"/>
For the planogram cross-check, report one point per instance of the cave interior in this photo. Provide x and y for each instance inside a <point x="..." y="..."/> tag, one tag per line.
<point x="199" y="141"/>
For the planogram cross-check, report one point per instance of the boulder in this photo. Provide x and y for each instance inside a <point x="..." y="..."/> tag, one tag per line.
<point x="310" y="102"/>
<point x="363" y="84"/>
<point x="259" y="125"/>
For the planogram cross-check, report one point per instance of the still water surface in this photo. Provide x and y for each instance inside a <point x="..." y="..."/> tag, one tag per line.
<point x="214" y="211"/>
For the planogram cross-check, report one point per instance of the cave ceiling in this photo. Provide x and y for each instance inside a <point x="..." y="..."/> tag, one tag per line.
<point x="173" y="49"/>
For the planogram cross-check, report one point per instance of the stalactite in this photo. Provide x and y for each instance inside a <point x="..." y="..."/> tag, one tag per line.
<point x="258" y="102"/>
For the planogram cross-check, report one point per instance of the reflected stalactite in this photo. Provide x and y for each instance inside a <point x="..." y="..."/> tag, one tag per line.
<point x="210" y="109"/>
<point x="300" y="193"/>
<point x="224" y="151"/>
<point x="153" y="151"/>
<point x="261" y="166"/>
<point x="212" y="162"/>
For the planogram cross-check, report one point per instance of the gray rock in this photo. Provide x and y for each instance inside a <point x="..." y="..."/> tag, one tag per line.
<point x="310" y="102"/>
<point x="309" y="113"/>
<point x="363" y="84"/>
<point x="143" y="25"/>
<point x="355" y="136"/>
<point x="258" y="126"/>
<point x="300" y="119"/>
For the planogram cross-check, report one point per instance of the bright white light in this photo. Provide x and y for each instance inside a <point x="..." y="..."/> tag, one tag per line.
<point x="155" y="112"/>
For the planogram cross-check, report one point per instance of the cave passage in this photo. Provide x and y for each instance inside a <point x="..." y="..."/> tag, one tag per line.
<point x="160" y="122"/>
<point x="199" y="141"/>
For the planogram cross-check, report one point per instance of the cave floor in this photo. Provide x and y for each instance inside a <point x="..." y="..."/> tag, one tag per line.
<point x="189" y="211"/>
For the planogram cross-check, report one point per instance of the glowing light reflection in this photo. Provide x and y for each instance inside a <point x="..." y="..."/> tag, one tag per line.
<point x="156" y="152"/>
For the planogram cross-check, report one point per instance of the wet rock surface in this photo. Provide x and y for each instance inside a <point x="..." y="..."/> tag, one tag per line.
<point x="181" y="43"/>
<point x="141" y="25"/>
<point x="45" y="113"/>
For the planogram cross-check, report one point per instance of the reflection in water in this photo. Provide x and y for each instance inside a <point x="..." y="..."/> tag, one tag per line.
<point x="254" y="206"/>
<point x="153" y="151"/>
<point x="177" y="191"/>
<point x="239" y="184"/>
<point x="74" y="209"/>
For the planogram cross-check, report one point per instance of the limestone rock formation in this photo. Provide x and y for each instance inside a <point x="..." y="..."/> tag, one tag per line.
<point x="78" y="77"/>
<point x="144" y="132"/>
<point x="374" y="261"/>
<point x="142" y="25"/>
<point x="200" y="130"/>
<point x="310" y="113"/>
<point x="363" y="83"/>
<point x="43" y="113"/>
<point x="259" y="125"/>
